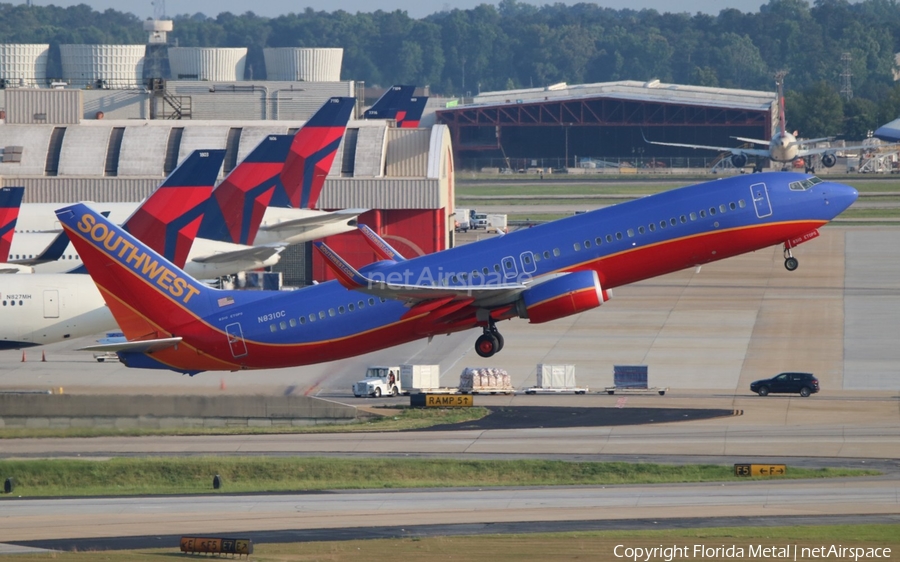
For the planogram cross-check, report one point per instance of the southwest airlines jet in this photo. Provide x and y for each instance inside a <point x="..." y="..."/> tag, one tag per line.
<point x="551" y="271"/>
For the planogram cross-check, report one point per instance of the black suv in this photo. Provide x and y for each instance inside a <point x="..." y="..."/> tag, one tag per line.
<point x="804" y="383"/>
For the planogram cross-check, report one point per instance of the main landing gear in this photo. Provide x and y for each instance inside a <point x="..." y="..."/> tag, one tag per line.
<point x="790" y="262"/>
<point x="490" y="342"/>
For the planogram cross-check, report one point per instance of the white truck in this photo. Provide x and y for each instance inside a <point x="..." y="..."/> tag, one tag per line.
<point x="478" y="220"/>
<point x="379" y="381"/>
<point x="463" y="220"/>
<point x="397" y="379"/>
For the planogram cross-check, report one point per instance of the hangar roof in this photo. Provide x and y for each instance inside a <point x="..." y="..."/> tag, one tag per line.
<point x="653" y="91"/>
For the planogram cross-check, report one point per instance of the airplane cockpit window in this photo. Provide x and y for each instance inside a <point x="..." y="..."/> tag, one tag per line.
<point x="803" y="185"/>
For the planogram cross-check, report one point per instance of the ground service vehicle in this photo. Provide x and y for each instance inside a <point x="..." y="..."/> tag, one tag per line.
<point x="478" y="220"/>
<point x="379" y="381"/>
<point x="801" y="383"/>
<point x="463" y="220"/>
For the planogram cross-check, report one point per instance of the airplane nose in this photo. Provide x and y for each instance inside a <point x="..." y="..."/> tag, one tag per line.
<point x="840" y="197"/>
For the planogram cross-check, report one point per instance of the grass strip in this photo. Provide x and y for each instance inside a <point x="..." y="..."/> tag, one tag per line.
<point x="180" y="475"/>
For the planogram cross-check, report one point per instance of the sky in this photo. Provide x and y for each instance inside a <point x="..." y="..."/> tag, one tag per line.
<point x="415" y="8"/>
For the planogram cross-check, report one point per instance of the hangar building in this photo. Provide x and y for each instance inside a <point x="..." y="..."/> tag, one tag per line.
<point x="561" y="125"/>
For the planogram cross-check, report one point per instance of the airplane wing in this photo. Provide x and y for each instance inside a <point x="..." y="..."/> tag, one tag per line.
<point x="136" y="346"/>
<point x="7" y="268"/>
<point x="811" y="151"/>
<point x="252" y="253"/>
<point x="752" y="141"/>
<point x="480" y="295"/>
<point x="749" y="151"/>
<point x="308" y="223"/>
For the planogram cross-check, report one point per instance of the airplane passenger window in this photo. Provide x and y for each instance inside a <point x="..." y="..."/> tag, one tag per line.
<point x="598" y="240"/>
<point x="722" y="208"/>
<point x="331" y="312"/>
<point x="609" y="238"/>
<point x="683" y="219"/>
<point x="497" y="267"/>
<point x="303" y="319"/>
<point x="693" y="216"/>
<point x="702" y="214"/>
<point x="293" y="323"/>
<point x="712" y="211"/>
<point x="640" y="230"/>
<point x="537" y="257"/>
<point x="350" y="307"/>
<point x="382" y="299"/>
<point x="361" y="304"/>
<point x="321" y="315"/>
<point x="556" y="252"/>
<point x="587" y="243"/>
<point x="652" y="227"/>
<point x="341" y="309"/>
<point x="371" y="302"/>
<point x="282" y="325"/>
<point x="732" y="206"/>
<point x="631" y="233"/>
<point x="673" y="222"/>
<point x="662" y="224"/>
<point x="272" y="328"/>
<point x="485" y="270"/>
<point x="546" y="254"/>
<point x="527" y="259"/>
<point x="741" y="203"/>
<point x="312" y="317"/>
<point x="577" y="246"/>
<point x="618" y="235"/>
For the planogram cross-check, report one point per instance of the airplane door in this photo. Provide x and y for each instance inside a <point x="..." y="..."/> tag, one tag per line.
<point x="236" y="340"/>
<point x="761" y="203"/>
<point x="51" y="303"/>
<point x="509" y="267"/>
<point x="528" y="265"/>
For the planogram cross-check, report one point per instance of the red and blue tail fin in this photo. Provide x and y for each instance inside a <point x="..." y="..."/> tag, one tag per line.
<point x="396" y="98"/>
<point x="169" y="219"/>
<point x="238" y="204"/>
<point x="411" y="114"/>
<point x="10" y="201"/>
<point x="311" y="155"/>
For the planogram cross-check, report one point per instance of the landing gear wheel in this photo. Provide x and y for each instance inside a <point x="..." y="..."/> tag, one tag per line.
<point x="486" y="345"/>
<point x="791" y="264"/>
<point x="499" y="338"/>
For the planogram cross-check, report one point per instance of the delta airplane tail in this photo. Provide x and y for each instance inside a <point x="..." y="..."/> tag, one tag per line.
<point x="311" y="154"/>
<point x="409" y="117"/>
<point x="10" y="201"/>
<point x="238" y="204"/>
<point x="393" y="100"/>
<point x="170" y="217"/>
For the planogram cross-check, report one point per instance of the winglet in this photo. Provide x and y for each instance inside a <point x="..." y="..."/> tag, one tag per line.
<point x="10" y="201"/>
<point x="381" y="247"/>
<point x="346" y="274"/>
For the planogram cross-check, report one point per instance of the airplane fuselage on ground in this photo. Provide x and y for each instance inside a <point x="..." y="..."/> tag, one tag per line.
<point x="546" y="272"/>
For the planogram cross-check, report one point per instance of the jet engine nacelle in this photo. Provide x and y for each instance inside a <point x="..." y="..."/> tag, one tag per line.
<point x="563" y="296"/>
<point x="739" y="160"/>
<point x="829" y="159"/>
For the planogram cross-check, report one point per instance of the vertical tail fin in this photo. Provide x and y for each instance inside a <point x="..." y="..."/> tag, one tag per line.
<point x="390" y="103"/>
<point x="311" y="155"/>
<point x="169" y="219"/>
<point x="779" y="82"/>
<point x="238" y="204"/>
<point x="146" y="293"/>
<point x="10" y="201"/>
<point x="411" y="114"/>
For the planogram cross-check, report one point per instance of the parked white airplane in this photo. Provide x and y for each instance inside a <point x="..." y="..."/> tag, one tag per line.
<point x="784" y="146"/>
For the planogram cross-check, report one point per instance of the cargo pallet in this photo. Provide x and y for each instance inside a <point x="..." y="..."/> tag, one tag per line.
<point x="627" y="390"/>
<point x="540" y="390"/>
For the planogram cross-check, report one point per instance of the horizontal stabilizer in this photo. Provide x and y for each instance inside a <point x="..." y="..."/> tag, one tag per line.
<point x="137" y="346"/>
<point x="307" y="223"/>
<point x="251" y="253"/>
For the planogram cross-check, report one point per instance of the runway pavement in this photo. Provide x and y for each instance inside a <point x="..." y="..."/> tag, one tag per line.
<point x="703" y="334"/>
